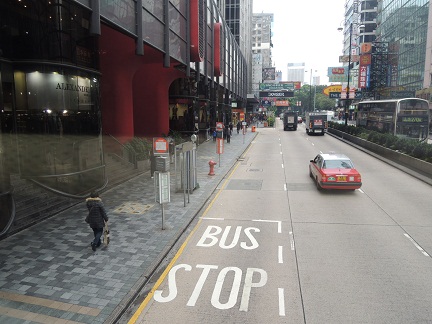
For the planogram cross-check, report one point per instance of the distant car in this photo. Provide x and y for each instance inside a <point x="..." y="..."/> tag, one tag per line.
<point x="334" y="171"/>
<point x="299" y="120"/>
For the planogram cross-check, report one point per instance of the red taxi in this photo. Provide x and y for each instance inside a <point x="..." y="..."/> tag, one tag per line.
<point x="334" y="171"/>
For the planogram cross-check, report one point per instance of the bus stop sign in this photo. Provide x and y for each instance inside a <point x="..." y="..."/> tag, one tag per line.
<point x="160" y="145"/>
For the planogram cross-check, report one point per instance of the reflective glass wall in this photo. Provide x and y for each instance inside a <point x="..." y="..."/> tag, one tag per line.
<point x="404" y="27"/>
<point x="50" y="125"/>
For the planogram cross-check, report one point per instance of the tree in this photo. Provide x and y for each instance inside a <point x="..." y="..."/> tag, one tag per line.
<point x="306" y="96"/>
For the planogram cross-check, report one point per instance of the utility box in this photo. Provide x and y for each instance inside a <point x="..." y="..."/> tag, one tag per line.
<point x="162" y="163"/>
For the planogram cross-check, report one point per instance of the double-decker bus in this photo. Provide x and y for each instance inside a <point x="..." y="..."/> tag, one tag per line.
<point x="408" y="117"/>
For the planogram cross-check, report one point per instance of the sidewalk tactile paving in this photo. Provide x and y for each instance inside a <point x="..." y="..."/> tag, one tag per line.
<point x="133" y="208"/>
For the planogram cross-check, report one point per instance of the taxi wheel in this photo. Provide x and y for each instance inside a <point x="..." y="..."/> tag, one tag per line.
<point x="310" y="173"/>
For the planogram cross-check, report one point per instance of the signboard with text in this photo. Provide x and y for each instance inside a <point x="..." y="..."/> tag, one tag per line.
<point x="282" y="103"/>
<point x="280" y="86"/>
<point x="332" y="88"/>
<point x="364" y="71"/>
<point x="339" y="95"/>
<point x="346" y="58"/>
<point x="160" y="145"/>
<point x="337" y="74"/>
<point x="219" y="146"/>
<point x="276" y="94"/>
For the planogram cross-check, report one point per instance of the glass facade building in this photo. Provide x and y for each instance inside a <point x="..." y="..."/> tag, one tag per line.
<point x="75" y="81"/>
<point x="50" y="116"/>
<point x="403" y="26"/>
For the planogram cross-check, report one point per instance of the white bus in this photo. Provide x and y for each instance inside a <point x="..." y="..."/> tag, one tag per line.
<point x="407" y="117"/>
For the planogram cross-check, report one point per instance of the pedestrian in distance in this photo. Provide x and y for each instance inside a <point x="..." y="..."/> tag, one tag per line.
<point x="228" y="133"/>
<point x="214" y="135"/>
<point x="96" y="218"/>
<point x="238" y="127"/>
<point x="231" y="128"/>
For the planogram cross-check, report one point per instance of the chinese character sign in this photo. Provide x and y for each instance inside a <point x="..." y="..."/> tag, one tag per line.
<point x="364" y="71"/>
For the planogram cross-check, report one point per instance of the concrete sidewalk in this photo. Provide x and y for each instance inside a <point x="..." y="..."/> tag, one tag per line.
<point x="49" y="273"/>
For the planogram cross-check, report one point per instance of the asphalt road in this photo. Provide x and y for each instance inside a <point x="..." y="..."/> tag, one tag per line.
<point x="272" y="248"/>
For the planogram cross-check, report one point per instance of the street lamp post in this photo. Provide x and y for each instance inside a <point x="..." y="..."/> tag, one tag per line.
<point x="311" y="105"/>
<point x="310" y="90"/>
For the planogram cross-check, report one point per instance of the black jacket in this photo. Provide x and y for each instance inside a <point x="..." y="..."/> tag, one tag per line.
<point x="97" y="213"/>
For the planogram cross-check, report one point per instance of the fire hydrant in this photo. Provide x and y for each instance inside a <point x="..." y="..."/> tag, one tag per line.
<point x="212" y="164"/>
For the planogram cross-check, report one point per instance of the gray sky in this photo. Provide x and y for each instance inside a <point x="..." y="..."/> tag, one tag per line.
<point x="305" y="31"/>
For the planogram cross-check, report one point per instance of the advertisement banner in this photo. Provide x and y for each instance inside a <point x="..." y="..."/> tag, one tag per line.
<point x="364" y="68"/>
<point x="366" y="48"/>
<point x="269" y="73"/>
<point x="277" y="86"/>
<point x="333" y="88"/>
<point x="346" y="58"/>
<point x="297" y="84"/>
<point x="337" y="74"/>
<point x="276" y="94"/>
<point x="49" y="89"/>
<point x="282" y="103"/>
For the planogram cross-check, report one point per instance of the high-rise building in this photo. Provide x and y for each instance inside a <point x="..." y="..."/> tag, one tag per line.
<point x="397" y="32"/>
<point x="296" y="72"/>
<point x="368" y="14"/>
<point x="261" y="47"/>
<point x="427" y="81"/>
<point x="359" y="27"/>
<point x="403" y="26"/>
<point x="238" y="16"/>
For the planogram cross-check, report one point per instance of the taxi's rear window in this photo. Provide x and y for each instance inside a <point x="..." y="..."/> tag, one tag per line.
<point x="338" y="164"/>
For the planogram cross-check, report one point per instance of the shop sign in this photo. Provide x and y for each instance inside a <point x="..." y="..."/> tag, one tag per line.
<point x="276" y="94"/>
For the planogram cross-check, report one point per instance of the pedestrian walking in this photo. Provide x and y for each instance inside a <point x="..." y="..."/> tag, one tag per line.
<point x="231" y="128"/>
<point x="96" y="218"/>
<point x="238" y="127"/>
<point x="214" y="135"/>
<point x="228" y="133"/>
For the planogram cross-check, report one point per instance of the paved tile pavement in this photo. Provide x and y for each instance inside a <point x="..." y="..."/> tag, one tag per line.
<point x="49" y="274"/>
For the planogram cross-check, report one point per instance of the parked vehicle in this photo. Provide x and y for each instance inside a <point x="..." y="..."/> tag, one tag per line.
<point x="334" y="171"/>
<point x="316" y="123"/>
<point x="290" y="120"/>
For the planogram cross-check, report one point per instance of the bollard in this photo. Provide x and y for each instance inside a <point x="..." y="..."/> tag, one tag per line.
<point x="212" y="164"/>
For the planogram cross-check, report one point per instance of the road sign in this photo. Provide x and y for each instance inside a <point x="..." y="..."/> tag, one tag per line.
<point x="160" y="145"/>
<point x="219" y="146"/>
<point x="162" y="187"/>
